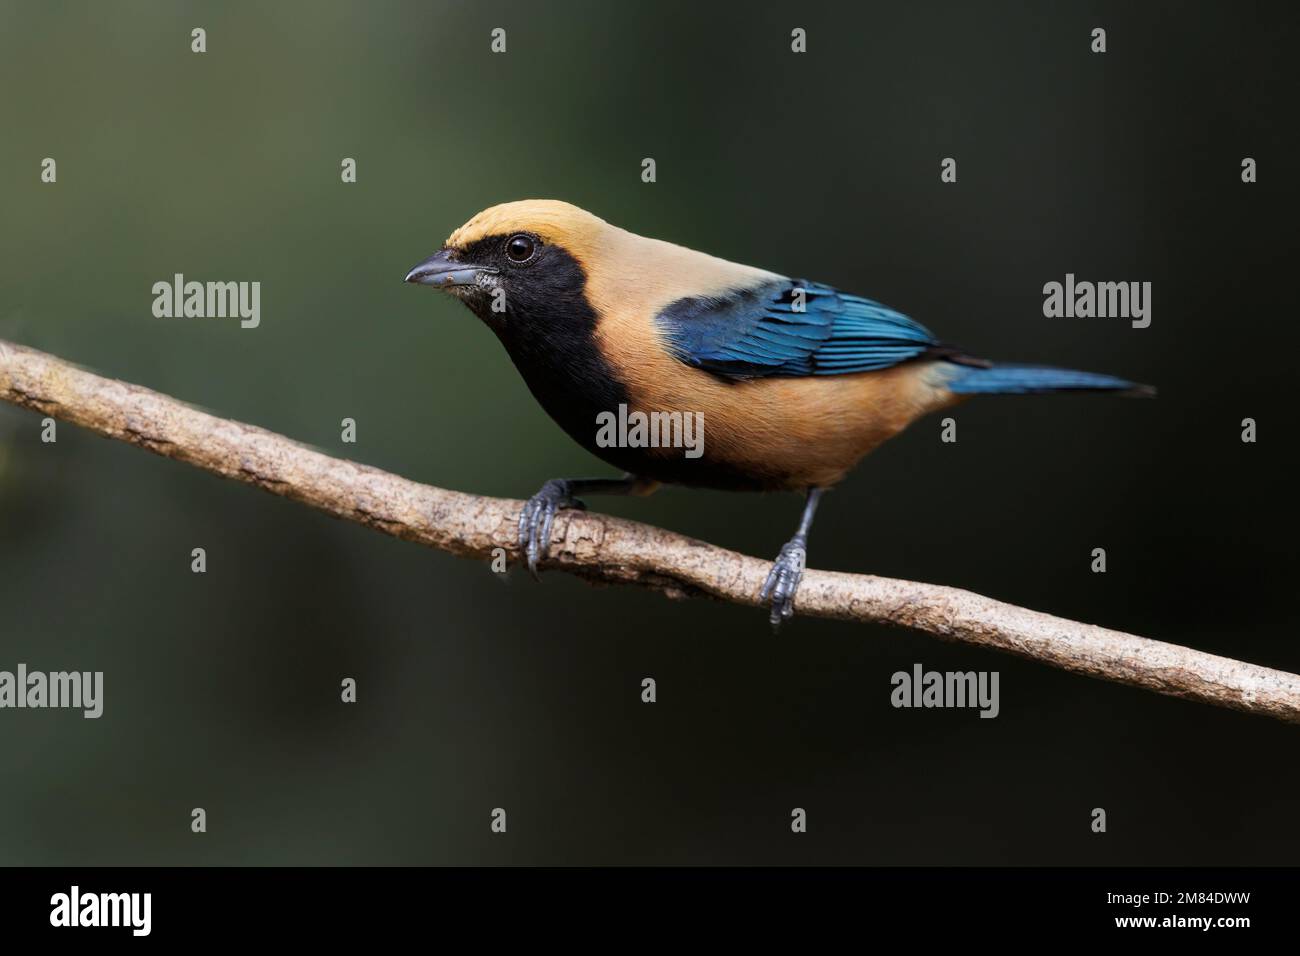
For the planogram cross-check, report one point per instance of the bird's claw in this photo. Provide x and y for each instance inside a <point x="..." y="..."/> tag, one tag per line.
<point x="783" y="580"/>
<point x="536" y="519"/>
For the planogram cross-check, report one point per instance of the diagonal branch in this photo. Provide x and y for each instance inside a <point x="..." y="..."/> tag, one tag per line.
<point x="612" y="550"/>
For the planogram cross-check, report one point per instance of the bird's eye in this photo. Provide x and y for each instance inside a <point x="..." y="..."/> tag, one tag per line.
<point x="521" y="248"/>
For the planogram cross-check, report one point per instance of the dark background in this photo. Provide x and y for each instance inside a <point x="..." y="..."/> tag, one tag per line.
<point x="222" y="690"/>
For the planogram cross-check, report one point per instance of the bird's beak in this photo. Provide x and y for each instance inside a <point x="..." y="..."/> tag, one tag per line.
<point x="441" y="270"/>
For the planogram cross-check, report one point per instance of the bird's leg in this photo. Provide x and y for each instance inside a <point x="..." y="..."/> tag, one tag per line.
<point x="560" y="493"/>
<point x="787" y="571"/>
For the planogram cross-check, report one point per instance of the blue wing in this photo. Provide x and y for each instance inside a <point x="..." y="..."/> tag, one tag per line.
<point x="773" y="330"/>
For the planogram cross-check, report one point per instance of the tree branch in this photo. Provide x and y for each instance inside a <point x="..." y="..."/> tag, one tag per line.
<point x="612" y="550"/>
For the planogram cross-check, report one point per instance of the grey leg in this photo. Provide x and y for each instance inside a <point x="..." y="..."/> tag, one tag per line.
<point x="787" y="571"/>
<point x="561" y="493"/>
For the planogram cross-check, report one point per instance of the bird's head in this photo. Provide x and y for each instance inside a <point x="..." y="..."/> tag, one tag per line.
<point x="517" y="261"/>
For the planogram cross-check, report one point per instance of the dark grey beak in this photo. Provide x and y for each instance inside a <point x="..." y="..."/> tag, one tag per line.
<point x="441" y="270"/>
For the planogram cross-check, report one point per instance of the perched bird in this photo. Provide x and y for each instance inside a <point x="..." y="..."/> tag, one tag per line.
<point x="794" y="381"/>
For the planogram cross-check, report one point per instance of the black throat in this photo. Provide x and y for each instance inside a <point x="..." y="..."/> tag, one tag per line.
<point x="548" y="327"/>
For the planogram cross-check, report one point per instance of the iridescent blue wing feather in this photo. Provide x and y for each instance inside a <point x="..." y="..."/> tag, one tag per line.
<point x="790" y="328"/>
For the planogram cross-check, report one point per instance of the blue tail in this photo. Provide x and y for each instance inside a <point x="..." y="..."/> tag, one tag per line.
<point x="1036" y="380"/>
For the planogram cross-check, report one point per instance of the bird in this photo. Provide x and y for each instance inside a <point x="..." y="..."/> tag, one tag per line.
<point x="793" y="381"/>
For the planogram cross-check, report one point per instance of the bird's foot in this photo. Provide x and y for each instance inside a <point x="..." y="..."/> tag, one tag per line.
<point x="536" y="518"/>
<point x="783" y="580"/>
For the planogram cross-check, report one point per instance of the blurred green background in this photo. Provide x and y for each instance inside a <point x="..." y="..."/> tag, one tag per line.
<point x="222" y="689"/>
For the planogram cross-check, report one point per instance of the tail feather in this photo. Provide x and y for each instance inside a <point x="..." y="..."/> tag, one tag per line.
<point x="1037" y="380"/>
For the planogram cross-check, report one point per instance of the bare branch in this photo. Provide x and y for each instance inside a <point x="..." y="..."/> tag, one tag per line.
<point x="607" y="549"/>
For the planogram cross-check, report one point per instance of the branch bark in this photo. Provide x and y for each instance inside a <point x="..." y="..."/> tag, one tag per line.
<point x="612" y="550"/>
